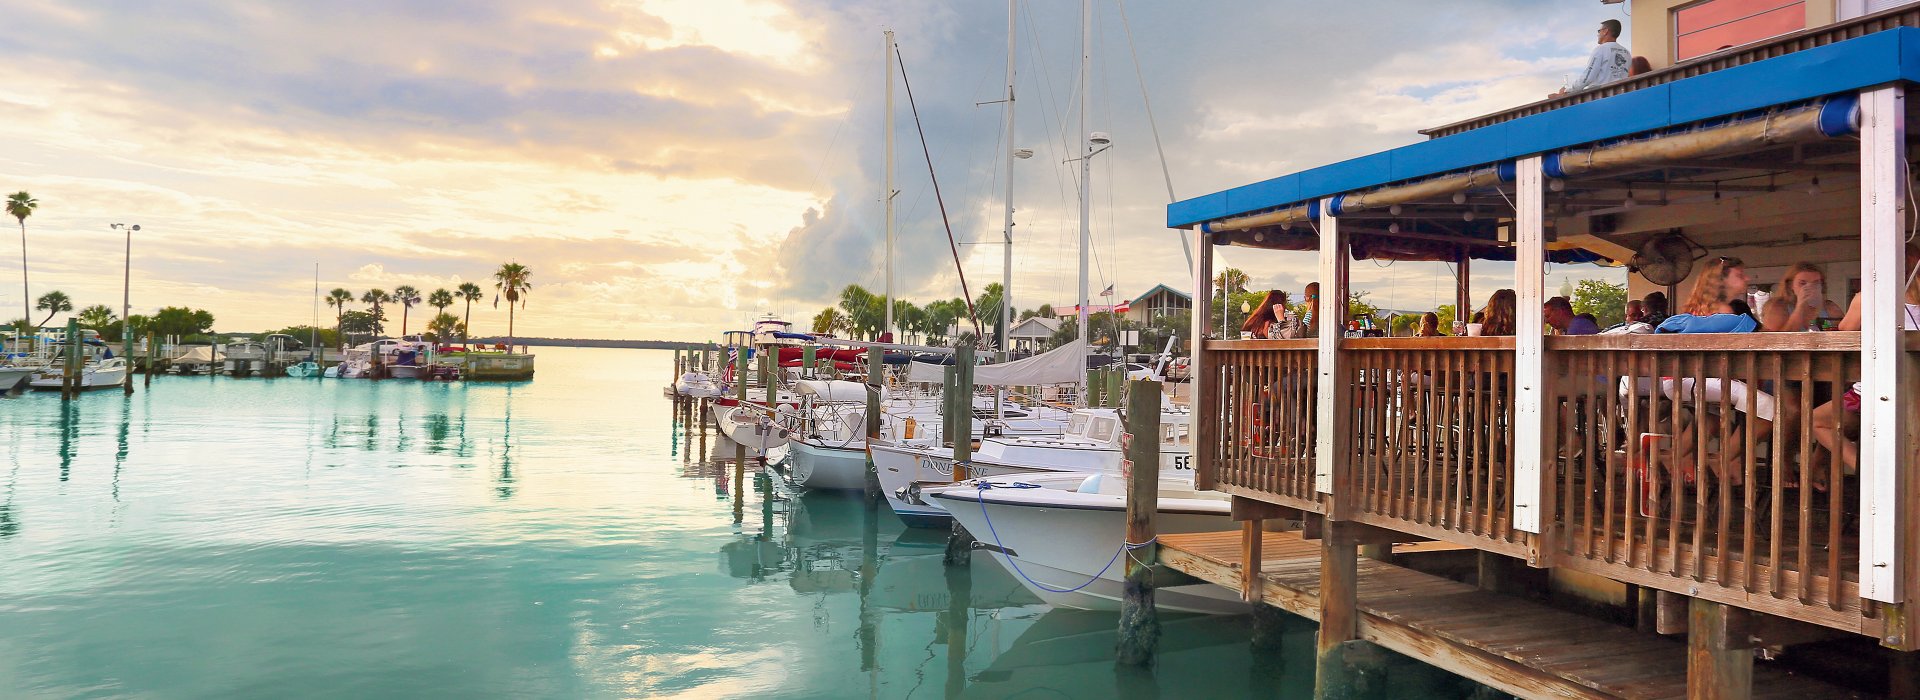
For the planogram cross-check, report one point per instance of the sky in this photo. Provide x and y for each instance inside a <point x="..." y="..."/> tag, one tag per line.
<point x="669" y="169"/>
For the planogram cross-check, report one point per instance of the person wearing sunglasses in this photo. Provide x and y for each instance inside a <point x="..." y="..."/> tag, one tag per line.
<point x="1610" y="62"/>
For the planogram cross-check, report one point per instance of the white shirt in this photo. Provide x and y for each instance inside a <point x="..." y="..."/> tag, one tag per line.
<point x="1610" y="62"/>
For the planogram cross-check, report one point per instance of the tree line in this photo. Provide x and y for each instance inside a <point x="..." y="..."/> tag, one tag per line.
<point x="512" y="282"/>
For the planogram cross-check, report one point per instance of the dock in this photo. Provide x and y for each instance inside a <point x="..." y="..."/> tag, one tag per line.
<point x="1514" y="645"/>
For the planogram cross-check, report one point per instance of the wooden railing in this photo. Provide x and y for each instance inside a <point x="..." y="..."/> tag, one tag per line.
<point x="1694" y="464"/>
<point x="1432" y="446"/>
<point x="1262" y="412"/>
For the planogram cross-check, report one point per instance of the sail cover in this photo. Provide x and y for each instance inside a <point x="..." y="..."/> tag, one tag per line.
<point x="1066" y="364"/>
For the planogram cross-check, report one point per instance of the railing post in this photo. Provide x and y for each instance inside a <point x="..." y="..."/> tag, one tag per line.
<point x="1886" y="431"/>
<point x="1531" y="415"/>
<point x="1200" y="372"/>
<point x="1333" y="422"/>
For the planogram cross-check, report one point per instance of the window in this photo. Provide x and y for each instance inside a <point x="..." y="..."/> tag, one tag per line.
<point x="1708" y="26"/>
<point x="1077" y="425"/>
<point x="1850" y="9"/>
<point x="1102" y="430"/>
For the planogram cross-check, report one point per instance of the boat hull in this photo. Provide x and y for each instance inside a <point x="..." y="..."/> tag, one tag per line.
<point x="750" y="427"/>
<point x="1069" y="554"/>
<point x="903" y="470"/>
<point x="97" y="379"/>
<point x="821" y="467"/>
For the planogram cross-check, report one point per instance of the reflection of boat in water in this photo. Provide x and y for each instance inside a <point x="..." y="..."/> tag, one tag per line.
<point x="918" y="583"/>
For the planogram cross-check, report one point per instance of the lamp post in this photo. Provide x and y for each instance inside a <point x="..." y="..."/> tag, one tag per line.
<point x="126" y="312"/>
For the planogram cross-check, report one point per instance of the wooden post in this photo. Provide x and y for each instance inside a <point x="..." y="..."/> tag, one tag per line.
<point x="1139" y="622"/>
<point x="1887" y="428"/>
<point x="806" y="360"/>
<point x="769" y="380"/>
<point x="1252" y="532"/>
<point x="1339" y="609"/>
<point x="1533" y="391"/>
<point x="739" y="450"/>
<point x="963" y="400"/>
<point x="876" y="382"/>
<point x="70" y="370"/>
<point x="1200" y="371"/>
<point x="950" y="383"/>
<point x="153" y="351"/>
<point x="126" y="355"/>
<point x="1116" y="392"/>
<point x="1719" y="652"/>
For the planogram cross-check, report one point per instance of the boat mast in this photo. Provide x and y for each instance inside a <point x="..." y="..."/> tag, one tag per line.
<point x="1086" y="170"/>
<point x="1006" y="262"/>
<point x="313" y="334"/>
<point x="888" y="192"/>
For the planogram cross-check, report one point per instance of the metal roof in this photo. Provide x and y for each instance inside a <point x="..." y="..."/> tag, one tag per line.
<point x="1875" y="59"/>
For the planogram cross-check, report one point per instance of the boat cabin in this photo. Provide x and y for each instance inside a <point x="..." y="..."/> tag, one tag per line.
<point x="1768" y="471"/>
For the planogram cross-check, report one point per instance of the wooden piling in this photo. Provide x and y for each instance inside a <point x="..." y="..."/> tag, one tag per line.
<point x="876" y="382"/>
<point x="126" y="355"/>
<point x="739" y="450"/>
<point x="962" y="404"/>
<point x="70" y="368"/>
<point x="949" y="380"/>
<point x="1116" y="384"/>
<point x="769" y="366"/>
<point x="153" y="351"/>
<point x="1339" y="614"/>
<point x="1139" y="622"/>
<point x="1719" y="651"/>
<point x="806" y="360"/>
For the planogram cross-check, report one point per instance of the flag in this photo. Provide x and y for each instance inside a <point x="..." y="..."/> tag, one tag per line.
<point x="1107" y="292"/>
<point x="1123" y="307"/>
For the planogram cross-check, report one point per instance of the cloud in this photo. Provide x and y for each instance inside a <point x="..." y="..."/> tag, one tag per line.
<point x="671" y="167"/>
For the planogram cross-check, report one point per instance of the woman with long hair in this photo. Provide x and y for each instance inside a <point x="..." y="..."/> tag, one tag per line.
<point x="1497" y="318"/>
<point x="1721" y="282"/>
<point x="1836" y="423"/>
<point x="1429" y="326"/>
<point x="1798" y="301"/>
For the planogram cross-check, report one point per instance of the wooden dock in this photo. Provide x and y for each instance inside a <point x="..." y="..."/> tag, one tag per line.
<point x="1511" y="644"/>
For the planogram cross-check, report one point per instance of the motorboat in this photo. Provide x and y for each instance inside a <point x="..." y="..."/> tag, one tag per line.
<point x="302" y="370"/>
<point x="1091" y="443"/>
<point x="828" y="435"/>
<point x="100" y="373"/>
<point x="696" y="385"/>
<point x="14" y="378"/>
<point x="1063" y="534"/>
<point x="921" y="455"/>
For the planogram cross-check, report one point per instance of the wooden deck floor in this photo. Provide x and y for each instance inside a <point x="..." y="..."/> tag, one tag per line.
<point x="1517" y="646"/>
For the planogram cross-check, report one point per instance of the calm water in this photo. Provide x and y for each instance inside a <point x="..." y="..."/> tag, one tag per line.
<point x="568" y="537"/>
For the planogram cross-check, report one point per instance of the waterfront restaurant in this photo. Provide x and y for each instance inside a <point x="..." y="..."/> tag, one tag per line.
<point x="1575" y="454"/>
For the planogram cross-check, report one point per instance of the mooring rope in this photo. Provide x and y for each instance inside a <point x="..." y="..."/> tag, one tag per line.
<point x="980" y="494"/>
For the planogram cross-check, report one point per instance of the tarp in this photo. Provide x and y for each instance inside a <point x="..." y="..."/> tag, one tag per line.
<point x="198" y="354"/>
<point x="1062" y="365"/>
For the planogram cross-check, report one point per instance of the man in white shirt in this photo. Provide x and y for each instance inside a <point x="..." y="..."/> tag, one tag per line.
<point x="1610" y="61"/>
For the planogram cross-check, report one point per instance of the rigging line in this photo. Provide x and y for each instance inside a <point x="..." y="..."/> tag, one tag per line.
<point x="972" y="314"/>
<point x="1046" y="73"/>
<point x="1153" y="125"/>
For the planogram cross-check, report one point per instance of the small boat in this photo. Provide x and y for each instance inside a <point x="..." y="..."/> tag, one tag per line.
<point x="14" y="379"/>
<point x="696" y="385"/>
<point x="103" y="373"/>
<point x="1063" y="534"/>
<point x="303" y="370"/>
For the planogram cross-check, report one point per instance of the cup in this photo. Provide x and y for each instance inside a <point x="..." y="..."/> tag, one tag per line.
<point x="1473" y="329"/>
<point x="1246" y="335"/>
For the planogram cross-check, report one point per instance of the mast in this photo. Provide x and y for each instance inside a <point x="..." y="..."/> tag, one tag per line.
<point x="1006" y="263"/>
<point x="313" y="334"/>
<point x="888" y="192"/>
<point x="1086" y="161"/>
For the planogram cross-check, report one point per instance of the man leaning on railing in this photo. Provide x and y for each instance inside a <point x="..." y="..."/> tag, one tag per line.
<point x="1610" y="62"/>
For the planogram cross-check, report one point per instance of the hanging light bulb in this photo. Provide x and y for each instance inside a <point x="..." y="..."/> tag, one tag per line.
<point x="1393" y="227"/>
<point x="1814" y="186"/>
<point x="1468" y="216"/>
<point x="1557" y="185"/>
<point x="1259" y="236"/>
<point x="1459" y="198"/>
<point x="1629" y="203"/>
<point x="1394" y="210"/>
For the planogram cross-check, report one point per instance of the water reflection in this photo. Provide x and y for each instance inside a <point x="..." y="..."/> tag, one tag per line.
<point x="505" y="483"/>
<point x="69" y="436"/>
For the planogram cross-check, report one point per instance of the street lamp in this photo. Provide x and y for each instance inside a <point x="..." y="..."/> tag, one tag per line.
<point x="126" y="310"/>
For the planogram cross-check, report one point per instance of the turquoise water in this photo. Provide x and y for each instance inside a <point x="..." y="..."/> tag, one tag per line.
<point x="568" y="537"/>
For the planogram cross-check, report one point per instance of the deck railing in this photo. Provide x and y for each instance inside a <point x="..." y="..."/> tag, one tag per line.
<point x="1432" y="446"/>
<point x="1262" y="412"/>
<point x="1695" y="464"/>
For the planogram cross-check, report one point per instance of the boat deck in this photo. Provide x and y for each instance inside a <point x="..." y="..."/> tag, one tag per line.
<point x="1517" y="646"/>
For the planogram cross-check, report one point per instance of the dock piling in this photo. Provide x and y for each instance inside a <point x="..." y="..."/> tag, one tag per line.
<point x="1719" y="651"/>
<point x="876" y="382"/>
<point x="739" y="450"/>
<point x="153" y="350"/>
<point x="70" y="367"/>
<point x="962" y="405"/>
<point x="1336" y="673"/>
<point x="1139" y="622"/>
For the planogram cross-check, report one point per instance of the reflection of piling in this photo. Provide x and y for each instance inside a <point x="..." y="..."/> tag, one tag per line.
<point x="153" y="350"/>
<point x="1139" y="622"/>
<point x="959" y="600"/>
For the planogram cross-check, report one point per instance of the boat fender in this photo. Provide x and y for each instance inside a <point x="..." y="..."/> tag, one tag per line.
<point x="1090" y="485"/>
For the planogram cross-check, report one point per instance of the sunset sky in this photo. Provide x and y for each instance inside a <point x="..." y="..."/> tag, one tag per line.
<point x="671" y="168"/>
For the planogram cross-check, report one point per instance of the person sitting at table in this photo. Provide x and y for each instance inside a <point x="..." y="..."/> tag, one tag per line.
<point x="1836" y="423"/>
<point x="1799" y="301"/>
<point x="1261" y="323"/>
<point x="1429" y="326"/>
<point x="1714" y="306"/>
<point x="1656" y="305"/>
<point x="1558" y="314"/>
<point x="1497" y="317"/>
<point x="1302" y="325"/>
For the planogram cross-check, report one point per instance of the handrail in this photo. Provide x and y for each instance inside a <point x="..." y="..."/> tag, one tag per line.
<point x="1444" y="343"/>
<point x="1257" y="345"/>
<point x="1729" y="342"/>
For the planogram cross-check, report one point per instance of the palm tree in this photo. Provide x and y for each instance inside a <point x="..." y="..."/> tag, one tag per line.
<point x="20" y="205"/>
<point x="374" y="298"/>
<point x="54" y="303"/>
<point x="443" y="327"/>
<point x="829" y="320"/>
<point x="406" y="296"/>
<point x="440" y="299"/>
<point x="339" y="298"/>
<point x="511" y="281"/>
<point x="100" y="318"/>
<point x="471" y="293"/>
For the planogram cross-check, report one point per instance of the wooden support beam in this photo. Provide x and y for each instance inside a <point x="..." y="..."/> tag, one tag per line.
<point x="1339" y="612"/>
<point x="1669" y="613"/>
<point x="1200" y="369"/>
<point x="1532" y="422"/>
<point x="1887" y="427"/>
<point x="1243" y="508"/>
<point x="1250" y="540"/>
<point x="1719" y="652"/>
<point x="1139" y="622"/>
<point x="1330" y="460"/>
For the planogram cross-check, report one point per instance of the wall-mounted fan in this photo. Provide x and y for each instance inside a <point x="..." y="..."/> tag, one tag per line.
<point x="1666" y="259"/>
